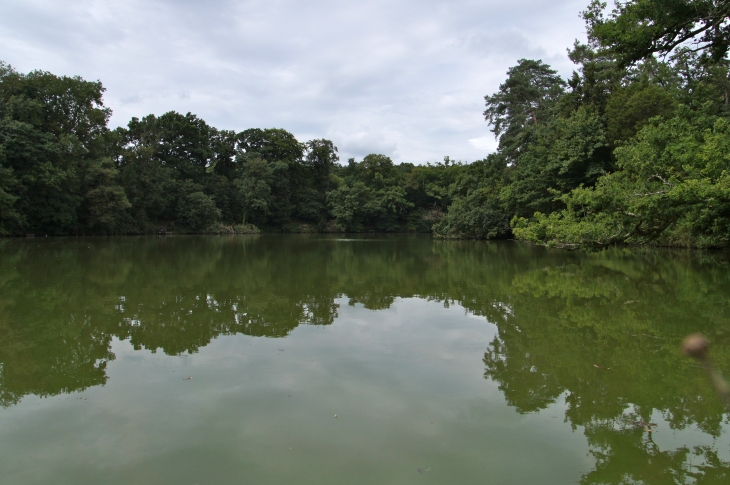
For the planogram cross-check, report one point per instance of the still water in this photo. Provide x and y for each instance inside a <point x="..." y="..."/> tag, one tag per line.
<point x="323" y="360"/>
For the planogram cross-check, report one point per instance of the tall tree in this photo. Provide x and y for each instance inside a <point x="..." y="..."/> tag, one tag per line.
<point x="181" y="142"/>
<point x="523" y="100"/>
<point x="321" y="157"/>
<point x="254" y="189"/>
<point x="104" y="200"/>
<point x="313" y="179"/>
<point x="283" y="153"/>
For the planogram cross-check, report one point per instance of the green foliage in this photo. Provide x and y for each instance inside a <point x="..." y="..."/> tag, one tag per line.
<point x="524" y="100"/>
<point x="672" y="187"/>
<point x="174" y="172"/>
<point x="377" y="170"/>
<point x="637" y="29"/>
<point x="246" y="229"/>
<point x="105" y="199"/>
<point x="372" y="196"/>
<point x="180" y="142"/>
<point x="254" y="188"/>
<point x="657" y="170"/>
<point x="352" y="206"/>
<point x="630" y="108"/>
<point x="476" y="211"/>
<point x="50" y="129"/>
<point x="270" y="144"/>
<point x="313" y="179"/>
<point x="565" y="154"/>
<point x="8" y="215"/>
<point x="598" y="77"/>
<point x="62" y="171"/>
<point x="196" y="211"/>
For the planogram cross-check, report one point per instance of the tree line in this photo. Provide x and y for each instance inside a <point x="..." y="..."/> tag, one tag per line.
<point x="63" y="171"/>
<point x="631" y="149"/>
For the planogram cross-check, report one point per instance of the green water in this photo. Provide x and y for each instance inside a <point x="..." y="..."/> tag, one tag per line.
<point x="444" y="362"/>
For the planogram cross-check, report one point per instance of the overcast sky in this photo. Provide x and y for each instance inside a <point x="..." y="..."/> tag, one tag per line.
<point x="403" y="78"/>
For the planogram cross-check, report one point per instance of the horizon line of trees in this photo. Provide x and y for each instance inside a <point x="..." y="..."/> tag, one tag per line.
<point x="633" y="148"/>
<point x="63" y="171"/>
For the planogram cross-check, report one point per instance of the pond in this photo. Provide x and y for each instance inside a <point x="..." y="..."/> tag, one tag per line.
<point x="357" y="360"/>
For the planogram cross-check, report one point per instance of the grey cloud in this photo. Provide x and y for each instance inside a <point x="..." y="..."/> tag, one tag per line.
<point x="362" y="141"/>
<point x="415" y="72"/>
<point x="505" y="43"/>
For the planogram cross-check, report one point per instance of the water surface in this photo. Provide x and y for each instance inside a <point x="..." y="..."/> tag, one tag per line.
<point x="358" y="360"/>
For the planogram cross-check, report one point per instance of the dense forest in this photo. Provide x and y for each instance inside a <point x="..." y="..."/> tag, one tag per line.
<point x="633" y="148"/>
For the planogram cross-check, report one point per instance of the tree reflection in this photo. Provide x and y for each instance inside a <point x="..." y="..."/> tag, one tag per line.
<point x="44" y="349"/>
<point x="604" y="332"/>
<point x="600" y="331"/>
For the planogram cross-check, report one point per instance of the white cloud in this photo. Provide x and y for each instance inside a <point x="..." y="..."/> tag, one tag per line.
<point x="415" y="73"/>
<point x="486" y="143"/>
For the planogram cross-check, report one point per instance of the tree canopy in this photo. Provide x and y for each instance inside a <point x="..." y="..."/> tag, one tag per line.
<point x="637" y="29"/>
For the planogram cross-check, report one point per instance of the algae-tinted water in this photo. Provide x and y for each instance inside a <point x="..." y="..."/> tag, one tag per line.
<point x="444" y="362"/>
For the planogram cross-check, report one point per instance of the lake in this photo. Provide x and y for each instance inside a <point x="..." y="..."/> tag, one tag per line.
<point x="323" y="360"/>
